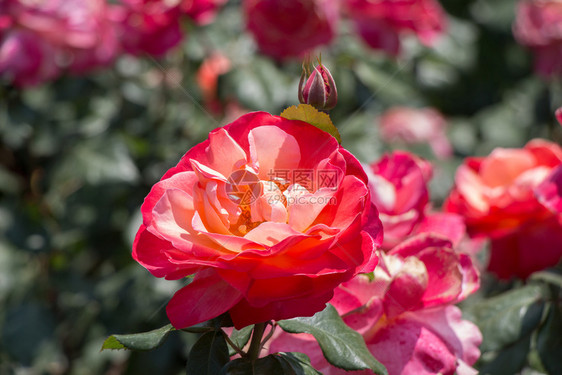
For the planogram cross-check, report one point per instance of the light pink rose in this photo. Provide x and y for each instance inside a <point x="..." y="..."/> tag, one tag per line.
<point x="537" y="26"/>
<point x="512" y="196"/>
<point x="405" y="314"/>
<point x="290" y="28"/>
<point x="412" y="125"/>
<point x="380" y="23"/>
<point x="269" y="214"/>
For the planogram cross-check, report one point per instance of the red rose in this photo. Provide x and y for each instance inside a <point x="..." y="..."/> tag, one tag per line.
<point x="504" y="196"/>
<point x="269" y="214"/>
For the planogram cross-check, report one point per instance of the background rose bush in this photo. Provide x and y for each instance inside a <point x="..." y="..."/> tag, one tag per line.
<point x="79" y="153"/>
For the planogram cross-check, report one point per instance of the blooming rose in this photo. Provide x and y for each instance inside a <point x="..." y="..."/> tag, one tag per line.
<point x="411" y="125"/>
<point x="504" y="196"/>
<point x="290" y="28"/>
<point x="38" y="40"/>
<point x="380" y="23"/>
<point x="537" y="26"/>
<point x="405" y="313"/>
<point x="269" y="214"/>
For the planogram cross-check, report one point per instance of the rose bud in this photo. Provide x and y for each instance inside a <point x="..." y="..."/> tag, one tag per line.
<point x="558" y="114"/>
<point x="319" y="90"/>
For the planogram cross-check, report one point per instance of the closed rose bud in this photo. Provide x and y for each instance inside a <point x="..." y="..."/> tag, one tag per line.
<point x="558" y="114"/>
<point x="318" y="89"/>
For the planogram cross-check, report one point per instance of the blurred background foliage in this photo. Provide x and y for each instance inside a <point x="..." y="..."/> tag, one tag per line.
<point x="78" y="156"/>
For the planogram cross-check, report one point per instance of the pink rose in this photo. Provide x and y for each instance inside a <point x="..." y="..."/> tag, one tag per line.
<point x="405" y="313"/>
<point x="398" y="184"/>
<point x="41" y="39"/>
<point x="269" y="214"/>
<point x="411" y="126"/>
<point x="504" y="196"/>
<point x="148" y="26"/>
<point x="290" y="28"/>
<point x="380" y="23"/>
<point x="201" y="11"/>
<point x="537" y="26"/>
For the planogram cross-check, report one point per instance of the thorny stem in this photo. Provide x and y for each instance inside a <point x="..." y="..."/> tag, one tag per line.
<point x="255" y="345"/>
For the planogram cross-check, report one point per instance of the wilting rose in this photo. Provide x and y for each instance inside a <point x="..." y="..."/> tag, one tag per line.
<point x="398" y="184"/>
<point x="380" y="23"/>
<point x="412" y="125"/>
<point x="405" y="314"/>
<point x="39" y="40"/>
<point x="537" y="26"/>
<point x="269" y="214"/>
<point x="201" y="11"/>
<point x="503" y="196"/>
<point x="148" y="26"/>
<point x="290" y="28"/>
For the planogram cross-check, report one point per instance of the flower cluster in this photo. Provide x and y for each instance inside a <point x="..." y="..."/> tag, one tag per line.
<point x="289" y="28"/>
<point x="40" y="40"/>
<point x="406" y="313"/>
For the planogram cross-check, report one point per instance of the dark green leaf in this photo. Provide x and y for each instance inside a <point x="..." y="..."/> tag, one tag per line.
<point x="342" y="346"/>
<point x="263" y="366"/>
<point x="549" y="341"/>
<point x="208" y="355"/>
<point x="510" y="360"/>
<point x="240" y="338"/>
<point x="506" y="318"/>
<point x="299" y="363"/>
<point x="273" y="364"/>
<point x="138" y="341"/>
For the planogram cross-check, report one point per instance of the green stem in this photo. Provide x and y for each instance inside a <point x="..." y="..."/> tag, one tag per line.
<point x="255" y="345"/>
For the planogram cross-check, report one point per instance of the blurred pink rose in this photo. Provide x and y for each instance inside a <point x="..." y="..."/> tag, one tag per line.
<point x="41" y="39"/>
<point x="537" y="26"/>
<point x="290" y="28"/>
<point x="511" y="196"/>
<point x="398" y="184"/>
<point x="405" y="314"/>
<point x="148" y="26"/>
<point x="411" y="125"/>
<point x="380" y="23"/>
<point x="201" y="11"/>
<point x="269" y="214"/>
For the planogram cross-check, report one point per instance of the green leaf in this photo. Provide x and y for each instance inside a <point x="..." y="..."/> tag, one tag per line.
<point x="549" y="341"/>
<point x="510" y="360"/>
<point x="273" y="364"/>
<point x="299" y="363"/>
<point x="208" y="355"/>
<point x="240" y="338"/>
<point x="138" y="341"/>
<point x="506" y="318"/>
<point x="311" y="115"/>
<point x="342" y="346"/>
<point x="549" y="277"/>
